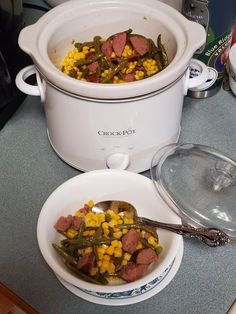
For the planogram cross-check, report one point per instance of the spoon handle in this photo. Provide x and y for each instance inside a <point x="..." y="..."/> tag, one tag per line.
<point x="210" y="236"/>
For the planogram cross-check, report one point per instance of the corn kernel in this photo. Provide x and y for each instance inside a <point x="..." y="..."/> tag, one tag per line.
<point x="127" y="256"/>
<point x="100" y="255"/>
<point x="106" y="232"/>
<point x="88" y="250"/>
<point x="103" y="269"/>
<point x="105" y="264"/>
<point x="151" y="240"/>
<point x="115" y="243"/>
<point x="117" y="234"/>
<point x="90" y="203"/>
<point x="101" y="250"/>
<point x="139" y="246"/>
<point x="110" y="250"/>
<point x="128" y="220"/>
<point x="124" y="262"/>
<point x="118" y="252"/>
<point x="112" y="223"/>
<point x="71" y="233"/>
<point x="139" y="75"/>
<point x="106" y="257"/>
<point x="111" y="268"/>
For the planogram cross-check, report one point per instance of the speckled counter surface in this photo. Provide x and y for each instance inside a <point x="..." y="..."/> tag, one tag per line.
<point x="30" y="171"/>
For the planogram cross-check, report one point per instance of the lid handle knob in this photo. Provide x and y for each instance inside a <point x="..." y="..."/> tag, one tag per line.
<point x="222" y="176"/>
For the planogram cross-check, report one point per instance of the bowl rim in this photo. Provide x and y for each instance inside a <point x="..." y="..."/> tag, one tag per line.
<point x="72" y="279"/>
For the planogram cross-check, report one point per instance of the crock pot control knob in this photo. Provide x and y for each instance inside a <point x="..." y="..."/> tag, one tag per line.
<point x="118" y="161"/>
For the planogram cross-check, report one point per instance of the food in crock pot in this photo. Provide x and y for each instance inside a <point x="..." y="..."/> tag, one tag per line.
<point x="106" y="247"/>
<point x="123" y="57"/>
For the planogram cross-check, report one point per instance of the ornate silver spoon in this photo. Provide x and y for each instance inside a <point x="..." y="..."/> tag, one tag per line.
<point x="211" y="236"/>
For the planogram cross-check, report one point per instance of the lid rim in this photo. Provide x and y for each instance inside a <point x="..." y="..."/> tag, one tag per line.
<point x="209" y="219"/>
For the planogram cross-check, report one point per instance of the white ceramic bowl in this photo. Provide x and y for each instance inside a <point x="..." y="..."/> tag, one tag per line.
<point x="106" y="185"/>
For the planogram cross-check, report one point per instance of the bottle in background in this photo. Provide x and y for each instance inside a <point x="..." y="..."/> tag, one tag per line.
<point x="218" y="18"/>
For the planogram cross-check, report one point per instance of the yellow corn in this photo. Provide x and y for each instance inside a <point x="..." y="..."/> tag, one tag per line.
<point x="139" y="75"/>
<point x="152" y="241"/>
<point x="127" y="256"/>
<point x="118" y="252"/>
<point x="128" y="51"/>
<point x="88" y="250"/>
<point x="71" y="233"/>
<point x="118" y="234"/>
<point x="90" y="203"/>
<point x="110" y="250"/>
<point x="139" y="246"/>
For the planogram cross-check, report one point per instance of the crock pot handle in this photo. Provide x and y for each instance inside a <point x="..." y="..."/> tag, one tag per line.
<point x="33" y="90"/>
<point x="196" y="74"/>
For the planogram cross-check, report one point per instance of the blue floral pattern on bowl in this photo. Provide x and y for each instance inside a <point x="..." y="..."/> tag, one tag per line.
<point x="134" y="292"/>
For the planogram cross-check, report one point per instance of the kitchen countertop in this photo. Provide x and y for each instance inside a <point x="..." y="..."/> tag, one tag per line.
<point x="30" y="171"/>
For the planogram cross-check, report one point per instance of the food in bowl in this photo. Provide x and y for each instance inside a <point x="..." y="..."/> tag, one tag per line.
<point x="106" y="247"/>
<point x="122" y="57"/>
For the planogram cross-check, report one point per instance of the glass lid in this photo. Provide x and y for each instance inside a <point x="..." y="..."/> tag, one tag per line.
<point x="198" y="183"/>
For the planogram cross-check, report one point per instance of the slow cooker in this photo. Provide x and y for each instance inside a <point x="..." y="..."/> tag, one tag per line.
<point x="96" y="126"/>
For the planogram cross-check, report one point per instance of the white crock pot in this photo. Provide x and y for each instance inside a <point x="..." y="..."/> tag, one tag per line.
<point x="93" y="125"/>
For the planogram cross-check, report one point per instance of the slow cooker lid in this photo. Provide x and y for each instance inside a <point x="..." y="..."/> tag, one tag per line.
<point x="198" y="183"/>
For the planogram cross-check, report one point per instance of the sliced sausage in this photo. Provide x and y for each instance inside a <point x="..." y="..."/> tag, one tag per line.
<point x="94" y="78"/>
<point x="63" y="223"/>
<point x="130" y="241"/>
<point x="77" y="222"/>
<point x="118" y="43"/>
<point x="107" y="48"/>
<point x="140" y="44"/>
<point x="129" y="77"/>
<point x="132" y="271"/>
<point x="147" y="235"/>
<point x="93" y="67"/>
<point x="86" y="262"/>
<point x="146" y="256"/>
<point x="85" y="209"/>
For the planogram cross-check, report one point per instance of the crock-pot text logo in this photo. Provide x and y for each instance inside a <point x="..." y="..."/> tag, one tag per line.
<point x="120" y="133"/>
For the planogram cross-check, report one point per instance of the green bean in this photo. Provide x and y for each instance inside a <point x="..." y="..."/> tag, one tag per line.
<point x="163" y="54"/>
<point x="73" y="73"/>
<point x="153" y="50"/>
<point x="93" y="58"/>
<point x="158" y="250"/>
<point x="67" y="257"/>
<point x="98" y="280"/>
<point x="97" y="44"/>
<point x="80" y="46"/>
<point x="101" y="278"/>
<point x="88" y="242"/>
<point x="146" y="244"/>
<point x="80" y="231"/>
<point x="139" y="226"/>
<point x="114" y="71"/>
